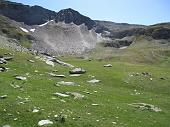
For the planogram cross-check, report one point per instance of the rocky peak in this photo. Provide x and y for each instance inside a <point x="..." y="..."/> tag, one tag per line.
<point x="69" y="15"/>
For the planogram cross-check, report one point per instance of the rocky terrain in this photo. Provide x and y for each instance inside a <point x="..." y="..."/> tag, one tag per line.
<point x="66" y="70"/>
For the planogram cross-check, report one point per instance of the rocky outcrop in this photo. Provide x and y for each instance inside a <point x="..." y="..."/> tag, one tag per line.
<point x="72" y="16"/>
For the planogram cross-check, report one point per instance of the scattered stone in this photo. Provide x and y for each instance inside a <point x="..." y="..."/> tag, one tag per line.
<point x="76" y="95"/>
<point x="32" y="61"/>
<point x="162" y="78"/>
<point x="94" y="81"/>
<point x="75" y="75"/>
<point x="144" y="106"/>
<point x="62" y="100"/>
<point x="65" y="83"/>
<point x="51" y="63"/>
<point x="3" y="97"/>
<point x="15" y="119"/>
<point x="146" y="74"/>
<point x="77" y="71"/>
<point x="2" y="69"/>
<point x="54" y="75"/>
<point x="45" y="123"/>
<point x="36" y="71"/>
<point x="108" y="65"/>
<point x="61" y="95"/>
<point x="95" y="104"/>
<point x="35" y="110"/>
<point x="3" y="61"/>
<point x="114" y="122"/>
<point x="8" y="58"/>
<point x="20" y="78"/>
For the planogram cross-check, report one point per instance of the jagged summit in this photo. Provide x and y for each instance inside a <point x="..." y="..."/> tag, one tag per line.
<point x="69" y="15"/>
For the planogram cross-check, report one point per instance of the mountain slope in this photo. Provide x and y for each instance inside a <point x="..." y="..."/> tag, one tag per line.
<point x="71" y="16"/>
<point x="30" y="15"/>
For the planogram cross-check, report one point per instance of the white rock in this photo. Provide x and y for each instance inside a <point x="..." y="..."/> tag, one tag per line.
<point x="75" y="75"/>
<point x="45" y="123"/>
<point x="66" y="83"/>
<point x="95" y="104"/>
<point x="20" y="78"/>
<point x="94" y="81"/>
<point x="50" y="63"/>
<point x="3" y="96"/>
<point x="35" y="110"/>
<point x="61" y="95"/>
<point x="108" y="65"/>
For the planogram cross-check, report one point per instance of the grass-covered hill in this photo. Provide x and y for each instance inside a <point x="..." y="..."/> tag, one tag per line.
<point x="110" y="102"/>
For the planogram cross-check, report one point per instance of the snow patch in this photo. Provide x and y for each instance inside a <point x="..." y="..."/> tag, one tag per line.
<point x="32" y="30"/>
<point x="45" y="23"/>
<point x="23" y="29"/>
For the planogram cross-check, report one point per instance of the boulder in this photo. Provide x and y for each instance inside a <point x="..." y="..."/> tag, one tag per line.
<point x="45" y="123"/>
<point x="77" y="71"/>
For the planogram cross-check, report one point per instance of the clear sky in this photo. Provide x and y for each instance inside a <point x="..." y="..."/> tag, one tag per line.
<point x="123" y="11"/>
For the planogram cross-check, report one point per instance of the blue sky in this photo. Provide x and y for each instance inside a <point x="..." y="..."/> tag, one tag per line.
<point x="123" y="11"/>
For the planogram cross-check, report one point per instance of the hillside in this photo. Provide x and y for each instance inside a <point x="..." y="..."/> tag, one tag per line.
<point x="67" y="70"/>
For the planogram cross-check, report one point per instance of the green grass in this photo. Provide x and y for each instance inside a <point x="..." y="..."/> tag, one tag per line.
<point x="113" y="94"/>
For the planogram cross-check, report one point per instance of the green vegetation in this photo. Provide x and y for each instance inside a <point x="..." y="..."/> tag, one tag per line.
<point x="116" y="90"/>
